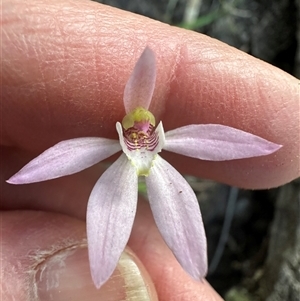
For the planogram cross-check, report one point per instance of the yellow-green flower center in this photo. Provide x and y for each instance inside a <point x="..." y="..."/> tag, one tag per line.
<point x="139" y="139"/>
<point x="138" y="115"/>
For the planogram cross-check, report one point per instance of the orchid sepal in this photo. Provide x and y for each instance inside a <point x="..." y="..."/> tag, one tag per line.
<point x="65" y="158"/>
<point x="176" y="213"/>
<point x="110" y="215"/>
<point x="140" y="86"/>
<point x="215" y="142"/>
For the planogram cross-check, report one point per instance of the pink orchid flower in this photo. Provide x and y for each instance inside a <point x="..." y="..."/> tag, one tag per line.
<point x="112" y="204"/>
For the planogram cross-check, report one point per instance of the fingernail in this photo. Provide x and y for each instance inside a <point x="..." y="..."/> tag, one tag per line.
<point x="66" y="276"/>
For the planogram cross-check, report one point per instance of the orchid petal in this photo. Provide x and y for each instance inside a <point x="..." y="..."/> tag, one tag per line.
<point x="110" y="215"/>
<point x="65" y="158"/>
<point x="216" y="142"/>
<point x="140" y="86"/>
<point x="177" y="215"/>
<point x="142" y="158"/>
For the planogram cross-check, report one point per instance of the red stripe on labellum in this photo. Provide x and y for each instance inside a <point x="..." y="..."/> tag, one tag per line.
<point x="137" y="139"/>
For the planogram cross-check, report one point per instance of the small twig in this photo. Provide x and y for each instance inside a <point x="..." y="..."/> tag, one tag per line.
<point x="170" y="10"/>
<point x="192" y="11"/>
<point x="230" y="208"/>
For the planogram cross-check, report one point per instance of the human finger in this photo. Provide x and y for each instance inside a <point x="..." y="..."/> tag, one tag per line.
<point x="53" y="90"/>
<point x="44" y="257"/>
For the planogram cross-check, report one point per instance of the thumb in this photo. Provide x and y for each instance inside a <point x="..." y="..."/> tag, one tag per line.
<point x="45" y="258"/>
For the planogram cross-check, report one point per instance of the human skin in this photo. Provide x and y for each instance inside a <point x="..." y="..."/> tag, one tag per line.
<point x="64" y="68"/>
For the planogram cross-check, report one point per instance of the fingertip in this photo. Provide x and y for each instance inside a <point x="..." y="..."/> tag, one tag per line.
<point x="45" y="258"/>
